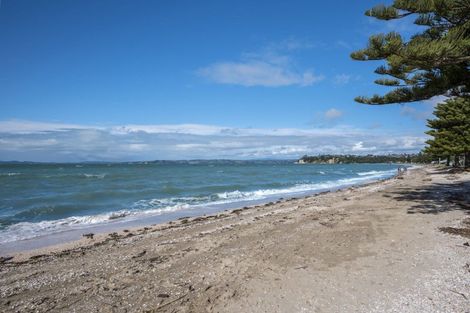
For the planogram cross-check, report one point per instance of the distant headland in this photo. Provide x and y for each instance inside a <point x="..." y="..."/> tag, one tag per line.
<point x="370" y="158"/>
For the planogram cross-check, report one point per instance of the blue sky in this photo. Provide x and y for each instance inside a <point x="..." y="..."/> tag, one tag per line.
<point x="136" y="80"/>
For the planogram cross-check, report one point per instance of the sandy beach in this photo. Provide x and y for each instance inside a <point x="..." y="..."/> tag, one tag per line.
<point x="400" y="245"/>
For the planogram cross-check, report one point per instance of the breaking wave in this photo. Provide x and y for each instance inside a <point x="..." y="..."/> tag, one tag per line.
<point x="151" y="207"/>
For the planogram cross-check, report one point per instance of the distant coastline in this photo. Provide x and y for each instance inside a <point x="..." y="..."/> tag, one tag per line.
<point x="418" y="158"/>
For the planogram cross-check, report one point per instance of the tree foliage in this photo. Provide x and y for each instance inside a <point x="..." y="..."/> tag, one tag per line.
<point x="450" y="129"/>
<point x="370" y="158"/>
<point x="433" y="62"/>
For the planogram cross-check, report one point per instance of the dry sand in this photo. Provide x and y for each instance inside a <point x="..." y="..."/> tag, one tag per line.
<point x="399" y="245"/>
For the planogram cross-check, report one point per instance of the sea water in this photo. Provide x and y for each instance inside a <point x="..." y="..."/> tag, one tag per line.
<point x="43" y="199"/>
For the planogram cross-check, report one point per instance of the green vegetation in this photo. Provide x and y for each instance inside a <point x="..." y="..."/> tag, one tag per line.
<point x="433" y="62"/>
<point x="451" y="132"/>
<point x="344" y="159"/>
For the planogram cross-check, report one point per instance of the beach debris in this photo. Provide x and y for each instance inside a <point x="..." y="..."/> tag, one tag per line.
<point x="158" y="259"/>
<point x="464" y="232"/>
<point x="88" y="235"/>
<point x="459" y="293"/>
<point x="113" y="235"/>
<point x="4" y="259"/>
<point x="140" y="254"/>
<point x="199" y="219"/>
<point x="163" y="295"/>
<point x="173" y="301"/>
<point x="41" y="301"/>
<point x="301" y="267"/>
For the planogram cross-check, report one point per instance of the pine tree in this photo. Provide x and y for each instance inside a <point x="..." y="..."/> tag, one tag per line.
<point x="433" y="62"/>
<point x="450" y="129"/>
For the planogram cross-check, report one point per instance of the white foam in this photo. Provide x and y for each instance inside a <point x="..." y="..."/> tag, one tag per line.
<point x="82" y="175"/>
<point x="370" y="173"/>
<point x="99" y="176"/>
<point x="28" y="230"/>
<point x="152" y="207"/>
<point x="10" y="174"/>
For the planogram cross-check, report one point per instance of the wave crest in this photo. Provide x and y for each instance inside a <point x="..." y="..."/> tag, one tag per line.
<point x="152" y="207"/>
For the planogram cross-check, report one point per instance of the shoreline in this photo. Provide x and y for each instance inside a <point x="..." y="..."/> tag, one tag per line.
<point x="397" y="245"/>
<point x="73" y="237"/>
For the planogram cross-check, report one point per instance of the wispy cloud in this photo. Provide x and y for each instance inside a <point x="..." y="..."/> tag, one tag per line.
<point x="404" y="26"/>
<point x="64" y="142"/>
<point x="343" y="44"/>
<point x="290" y="44"/>
<point x="272" y="66"/>
<point x="359" y="147"/>
<point x="422" y="110"/>
<point x="342" y="79"/>
<point x="333" y="114"/>
<point x="26" y="127"/>
<point x="257" y="73"/>
<point x="414" y="113"/>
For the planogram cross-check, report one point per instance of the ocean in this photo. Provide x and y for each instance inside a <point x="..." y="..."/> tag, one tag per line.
<point x="38" y="200"/>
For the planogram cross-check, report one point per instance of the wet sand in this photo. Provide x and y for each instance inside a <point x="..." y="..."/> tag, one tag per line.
<point x="400" y="245"/>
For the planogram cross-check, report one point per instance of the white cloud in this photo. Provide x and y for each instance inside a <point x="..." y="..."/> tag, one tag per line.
<point x="27" y="127"/>
<point x="343" y="44"/>
<point x="272" y="67"/>
<point x="27" y="143"/>
<point x="359" y="146"/>
<point x="422" y="110"/>
<point x="410" y="142"/>
<point x="194" y="129"/>
<point x="342" y="79"/>
<point x="289" y="44"/>
<point x="414" y="113"/>
<point x="137" y="146"/>
<point x="257" y="73"/>
<point x="405" y="26"/>
<point x="56" y="142"/>
<point x="333" y="113"/>
<point x="434" y="101"/>
<point x="88" y="132"/>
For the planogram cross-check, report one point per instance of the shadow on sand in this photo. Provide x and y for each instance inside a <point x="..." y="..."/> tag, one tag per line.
<point x="436" y="198"/>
